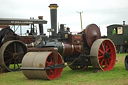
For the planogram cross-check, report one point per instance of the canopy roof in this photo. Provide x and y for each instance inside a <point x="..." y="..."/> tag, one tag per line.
<point x="16" y="21"/>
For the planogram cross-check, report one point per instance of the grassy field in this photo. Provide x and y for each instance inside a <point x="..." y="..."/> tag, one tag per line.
<point x="117" y="76"/>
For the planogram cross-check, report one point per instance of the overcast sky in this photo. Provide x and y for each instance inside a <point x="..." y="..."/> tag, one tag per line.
<point x="100" y="12"/>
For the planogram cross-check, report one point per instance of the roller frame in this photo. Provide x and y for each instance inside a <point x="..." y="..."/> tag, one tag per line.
<point x="47" y="68"/>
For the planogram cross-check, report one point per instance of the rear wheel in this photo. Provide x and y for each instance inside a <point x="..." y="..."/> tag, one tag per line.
<point x="103" y="54"/>
<point x="11" y="54"/>
<point x="126" y="62"/>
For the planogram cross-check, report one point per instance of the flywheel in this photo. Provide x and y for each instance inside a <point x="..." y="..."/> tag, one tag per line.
<point x="41" y="60"/>
<point x="103" y="54"/>
<point x="92" y="32"/>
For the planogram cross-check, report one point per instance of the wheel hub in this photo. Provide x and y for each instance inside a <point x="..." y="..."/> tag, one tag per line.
<point x="15" y="56"/>
<point x="106" y="55"/>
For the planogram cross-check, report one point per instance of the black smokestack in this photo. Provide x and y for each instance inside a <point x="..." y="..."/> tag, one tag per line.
<point x="53" y="12"/>
<point x="41" y="26"/>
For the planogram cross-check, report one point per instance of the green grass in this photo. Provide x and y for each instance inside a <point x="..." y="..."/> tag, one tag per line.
<point x="16" y="66"/>
<point x="117" y="76"/>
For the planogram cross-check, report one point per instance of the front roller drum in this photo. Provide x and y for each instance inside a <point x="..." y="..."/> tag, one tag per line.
<point x="103" y="54"/>
<point x="41" y="60"/>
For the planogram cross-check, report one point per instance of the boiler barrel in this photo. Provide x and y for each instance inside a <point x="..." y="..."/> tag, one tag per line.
<point x="66" y="49"/>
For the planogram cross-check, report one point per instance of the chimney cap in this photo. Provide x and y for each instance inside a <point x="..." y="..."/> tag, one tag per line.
<point x="40" y="17"/>
<point x="53" y="6"/>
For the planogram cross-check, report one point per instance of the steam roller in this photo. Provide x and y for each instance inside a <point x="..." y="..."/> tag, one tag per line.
<point x="13" y="46"/>
<point x="47" y="59"/>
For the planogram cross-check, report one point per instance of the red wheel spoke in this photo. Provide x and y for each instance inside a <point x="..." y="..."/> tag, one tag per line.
<point x="110" y="54"/>
<point x="107" y="46"/>
<point x="103" y="47"/>
<point x="107" y="49"/>
<point x="109" y="61"/>
<point x="109" y="58"/>
<point x="101" y="51"/>
<point x="100" y="56"/>
<point x="51" y="72"/>
<point x="48" y="63"/>
<point x="106" y="64"/>
<point x="52" y="61"/>
<point x="101" y="63"/>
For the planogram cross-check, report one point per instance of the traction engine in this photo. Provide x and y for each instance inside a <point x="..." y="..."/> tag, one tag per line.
<point x="47" y="59"/>
<point x="13" y="46"/>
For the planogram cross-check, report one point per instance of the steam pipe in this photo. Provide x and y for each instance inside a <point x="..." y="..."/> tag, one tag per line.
<point x="53" y="13"/>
